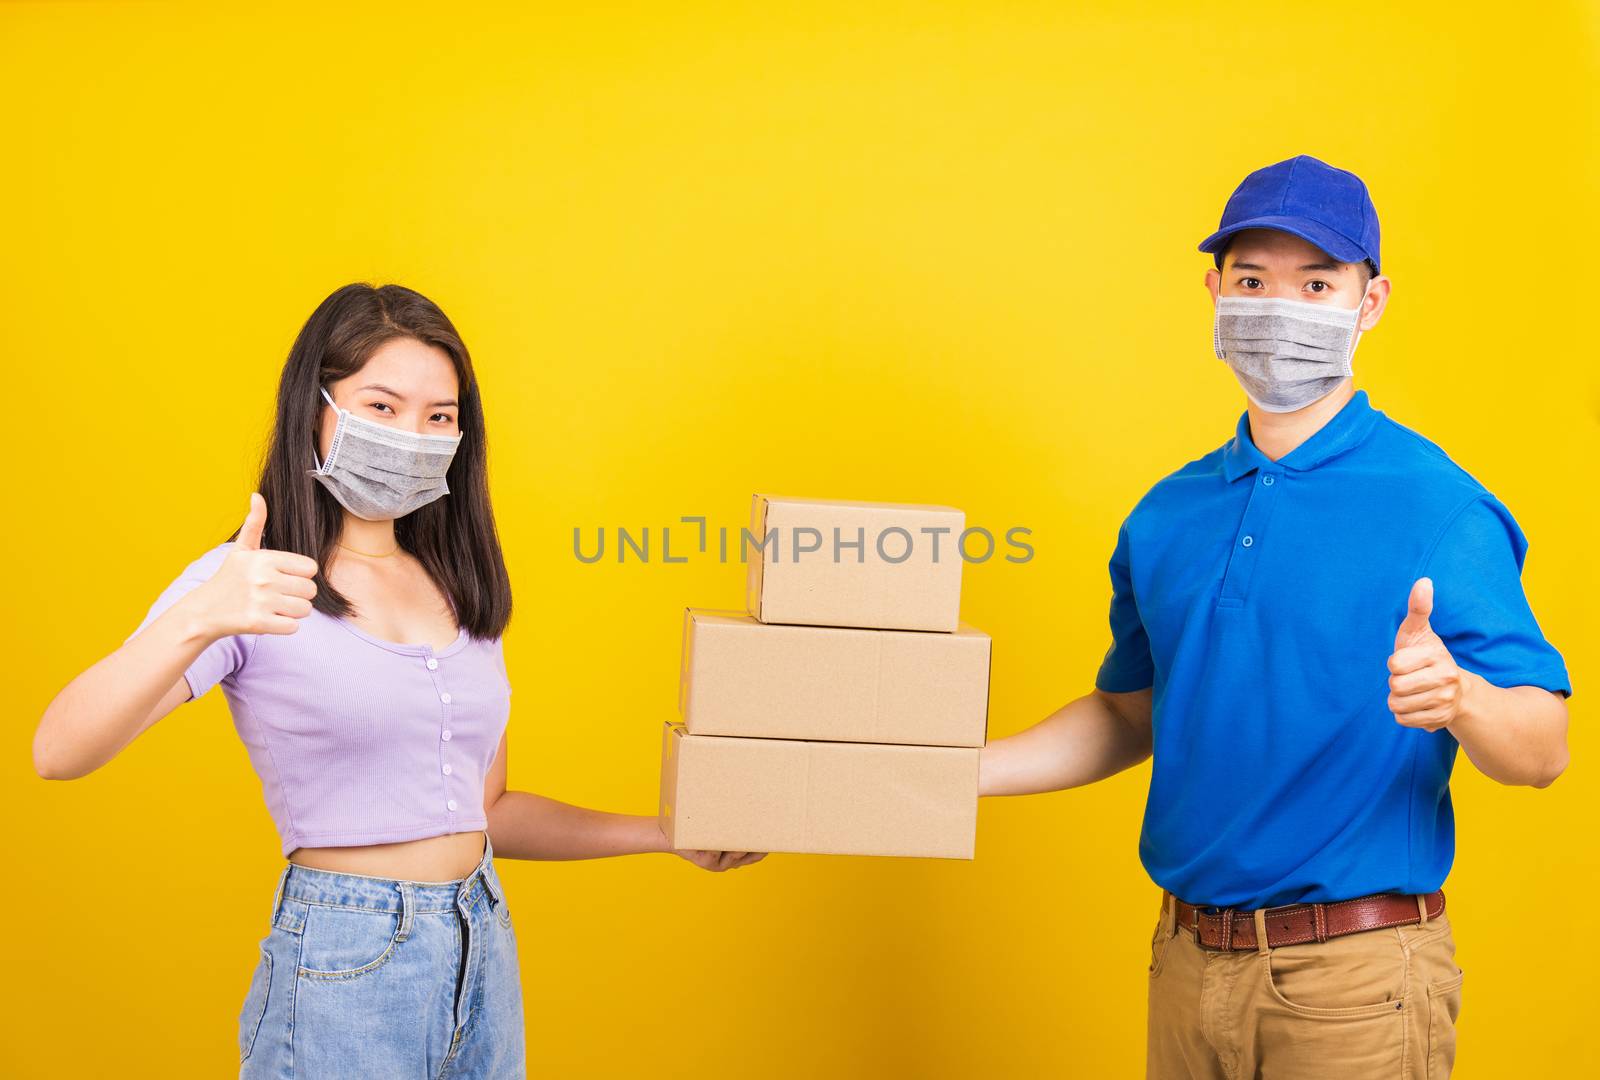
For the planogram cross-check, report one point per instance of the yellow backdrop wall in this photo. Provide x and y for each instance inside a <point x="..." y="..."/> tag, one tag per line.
<point x="911" y="252"/>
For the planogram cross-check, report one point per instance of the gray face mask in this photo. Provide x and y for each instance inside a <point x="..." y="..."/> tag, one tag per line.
<point x="1285" y="353"/>
<point x="378" y="472"/>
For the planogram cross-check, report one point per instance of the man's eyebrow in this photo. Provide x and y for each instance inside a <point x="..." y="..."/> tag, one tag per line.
<point x="401" y="397"/>
<point x="1307" y="266"/>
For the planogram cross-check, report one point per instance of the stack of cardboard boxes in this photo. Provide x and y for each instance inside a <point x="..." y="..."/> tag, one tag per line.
<point x="845" y="711"/>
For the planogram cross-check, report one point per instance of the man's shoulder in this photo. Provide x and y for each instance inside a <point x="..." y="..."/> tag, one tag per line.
<point x="1404" y="456"/>
<point x="1179" y="486"/>
<point x="1427" y="469"/>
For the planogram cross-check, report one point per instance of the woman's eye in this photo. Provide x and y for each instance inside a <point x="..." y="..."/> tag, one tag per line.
<point x="446" y="417"/>
<point x="381" y="404"/>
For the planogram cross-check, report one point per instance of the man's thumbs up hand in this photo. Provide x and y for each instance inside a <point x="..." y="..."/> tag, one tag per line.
<point x="1414" y="630"/>
<point x="1425" y="685"/>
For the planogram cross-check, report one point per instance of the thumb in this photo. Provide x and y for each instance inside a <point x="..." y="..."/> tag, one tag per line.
<point x="254" y="523"/>
<point x="1418" y="607"/>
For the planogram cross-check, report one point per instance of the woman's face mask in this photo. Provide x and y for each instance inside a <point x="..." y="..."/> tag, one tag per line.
<point x="1286" y="354"/>
<point x="378" y="472"/>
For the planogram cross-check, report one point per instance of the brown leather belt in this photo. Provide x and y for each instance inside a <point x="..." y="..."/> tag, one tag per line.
<point x="1295" y="924"/>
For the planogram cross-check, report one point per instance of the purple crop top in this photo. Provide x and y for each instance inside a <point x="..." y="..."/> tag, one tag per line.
<point x="357" y="740"/>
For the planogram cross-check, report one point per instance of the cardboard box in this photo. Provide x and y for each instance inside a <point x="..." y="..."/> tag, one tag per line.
<point x="724" y="793"/>
<point x="743" y="677"/>
<point x="889" y="566"/>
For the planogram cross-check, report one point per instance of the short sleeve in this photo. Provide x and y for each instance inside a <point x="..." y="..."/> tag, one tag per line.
<point x="1479" y="609"/>
<point x="223" y="656"/>
<point x="1127" y="664"/>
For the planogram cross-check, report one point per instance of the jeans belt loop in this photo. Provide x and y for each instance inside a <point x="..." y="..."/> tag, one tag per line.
<point x="492" y="887"/>
<point x="1261" y="931"/>
<point x="408" y="906"/>
<point x="1422" y="910"/>
<point x="277" y="897"/>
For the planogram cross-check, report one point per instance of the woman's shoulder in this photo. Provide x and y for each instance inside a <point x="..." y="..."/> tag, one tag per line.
<point x="199" y="570"/>
<point x="208" y="562"/>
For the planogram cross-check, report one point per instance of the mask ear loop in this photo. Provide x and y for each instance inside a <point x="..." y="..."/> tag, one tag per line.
<point x="336" y="409"/>
<point x="1216" y="320"/>
<point x="1355" y="332"/>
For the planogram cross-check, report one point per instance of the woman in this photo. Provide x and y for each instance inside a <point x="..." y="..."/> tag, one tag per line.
<point x="356" y="633"/>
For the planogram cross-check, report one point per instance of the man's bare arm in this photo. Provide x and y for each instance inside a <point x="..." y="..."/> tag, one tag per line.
<point x="1087" y="739"/>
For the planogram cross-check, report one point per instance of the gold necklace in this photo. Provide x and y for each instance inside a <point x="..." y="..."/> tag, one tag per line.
<point x="368" y="554"/>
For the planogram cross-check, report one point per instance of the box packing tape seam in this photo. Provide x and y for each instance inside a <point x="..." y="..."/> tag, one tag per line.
<point x="754" y="569"/>
<point x="806" y="839"/>
<point x="988" y="690"/>
<point x="877" y="689"/>
<point x="683" y="663"/>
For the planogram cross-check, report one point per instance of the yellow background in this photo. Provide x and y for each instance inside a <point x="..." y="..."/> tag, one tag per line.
<point x="919" y="252"/>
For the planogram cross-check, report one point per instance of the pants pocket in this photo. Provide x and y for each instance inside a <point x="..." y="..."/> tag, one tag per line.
<point x="346" y="943"/>
<point x="1444" y="1005"/>
<point x="255" y="1004"/>
<point x="1159" y="940"/>
<point x="1349" y="976"/>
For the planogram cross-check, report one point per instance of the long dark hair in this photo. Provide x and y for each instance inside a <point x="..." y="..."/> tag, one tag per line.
<point x="454" y="536"/>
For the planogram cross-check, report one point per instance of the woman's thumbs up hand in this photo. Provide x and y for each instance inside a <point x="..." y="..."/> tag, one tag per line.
<point x="257" y="590"/>
<point x="255" y="523"/>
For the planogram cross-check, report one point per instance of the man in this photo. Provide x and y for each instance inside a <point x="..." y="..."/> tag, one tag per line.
<point x="1306" y="623"/>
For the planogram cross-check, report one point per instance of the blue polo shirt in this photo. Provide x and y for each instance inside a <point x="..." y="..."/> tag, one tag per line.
<point x="1259" y="600"/>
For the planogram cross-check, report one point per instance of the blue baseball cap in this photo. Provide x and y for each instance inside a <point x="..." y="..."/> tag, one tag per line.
<point x="1309" y="198"/>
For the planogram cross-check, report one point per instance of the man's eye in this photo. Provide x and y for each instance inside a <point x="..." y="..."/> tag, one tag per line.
<point x="1321" y="286"/>
<point x="1250" y="282"/>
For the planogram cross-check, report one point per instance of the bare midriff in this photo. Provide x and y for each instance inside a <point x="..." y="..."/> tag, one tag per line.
<point x="434" y="858"/>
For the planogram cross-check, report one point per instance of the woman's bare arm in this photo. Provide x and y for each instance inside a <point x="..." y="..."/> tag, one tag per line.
<point x="120" y="696"/>
<point x="523" y="825"/>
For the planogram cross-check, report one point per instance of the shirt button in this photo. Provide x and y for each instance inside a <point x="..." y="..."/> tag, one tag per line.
<point x="445" y="734"/>
<point x="432" y="663"/>
<point x="1266" y="481"/>
<point x="451" y="805"/>
<point x="447" y="768"/>
<point x="445" y="697"/>
<point x="1247" y="541"/>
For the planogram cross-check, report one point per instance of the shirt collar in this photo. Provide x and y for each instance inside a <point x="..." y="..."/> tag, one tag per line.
<point x="1345" y="430"/>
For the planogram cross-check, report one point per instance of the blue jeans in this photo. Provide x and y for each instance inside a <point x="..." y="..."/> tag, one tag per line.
<point x="366" y="976"/>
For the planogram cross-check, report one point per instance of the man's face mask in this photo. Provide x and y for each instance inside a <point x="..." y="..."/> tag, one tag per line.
<point x="378" y="472"/>
<point x="1285" y="353"/>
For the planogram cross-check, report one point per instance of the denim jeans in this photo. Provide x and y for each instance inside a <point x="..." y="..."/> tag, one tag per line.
<point x="378" y="977"/>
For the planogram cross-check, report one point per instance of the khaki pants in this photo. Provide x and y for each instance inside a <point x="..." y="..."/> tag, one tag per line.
<point x="1379" y="1003"/>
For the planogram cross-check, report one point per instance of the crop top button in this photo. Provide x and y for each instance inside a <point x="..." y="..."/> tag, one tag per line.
<point x="451" y="805"/>
<point x="432" y="663"/>
<point x="447" y="768"/>
<point x="445" y="697"/>
<point x="445" y="734"/>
